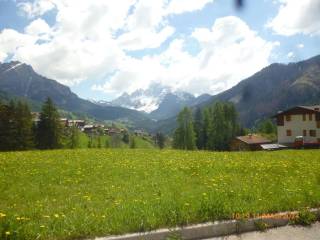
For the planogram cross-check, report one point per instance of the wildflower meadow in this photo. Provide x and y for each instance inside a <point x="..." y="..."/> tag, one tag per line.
<point x="78" y="194"/>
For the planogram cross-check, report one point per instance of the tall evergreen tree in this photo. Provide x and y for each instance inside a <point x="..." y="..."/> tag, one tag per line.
<point x="160" y="140"/>
<point x="23" y="124"/>
<point x="73" y="137"/>
<point x="49" y="131"/>
<point x="199" y="128"/>
<point x="184" y="136"/>
<point x="221" y="124"/>
<point x="132" y="143"/>
<point x="15" y="126"/>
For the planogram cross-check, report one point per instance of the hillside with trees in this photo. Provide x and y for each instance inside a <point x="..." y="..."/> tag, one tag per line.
<point x="211" y="128"/>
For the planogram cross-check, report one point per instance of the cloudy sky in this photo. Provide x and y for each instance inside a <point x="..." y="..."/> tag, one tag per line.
<point x="101" y="48"/>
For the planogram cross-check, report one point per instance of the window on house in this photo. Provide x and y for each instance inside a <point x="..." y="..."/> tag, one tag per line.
<point x="318" y="124"/>
<point x="304" y="133"/>
<point x="289" y="133"/>
<point x="288" y="118"/>
<point x="304" y="118"/>
<point x="310" y="116"/>
<point x="312" y="133"/>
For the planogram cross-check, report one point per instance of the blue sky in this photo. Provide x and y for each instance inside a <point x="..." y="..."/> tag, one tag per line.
<point x="103" y="48"/>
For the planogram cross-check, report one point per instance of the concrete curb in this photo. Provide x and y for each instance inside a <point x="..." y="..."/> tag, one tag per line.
<point x="215" y="229"/>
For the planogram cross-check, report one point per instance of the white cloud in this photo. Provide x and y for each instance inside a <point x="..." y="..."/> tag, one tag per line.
<point x="90" y="40"/>
<point x="300" y="45"/>
<point x="143" y="38"/>
<point x="230" y="52"/>
<point x="181" y="6"/>
<point x="37" y="27"/>
<point x="297" y="16"/>
<point x="290" y="55"/>
<point x="11" y="41"/>
<point x="36" y="8"/>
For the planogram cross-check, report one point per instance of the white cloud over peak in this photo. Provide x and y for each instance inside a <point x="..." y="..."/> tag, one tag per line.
<point x="91" y="40"/>
<point x="11" y="41"/>
<point x="297" y="16"/>
<point x="230" y="52"/>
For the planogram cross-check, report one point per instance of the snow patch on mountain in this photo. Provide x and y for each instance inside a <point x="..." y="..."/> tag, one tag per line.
<point x="147" y="100"/>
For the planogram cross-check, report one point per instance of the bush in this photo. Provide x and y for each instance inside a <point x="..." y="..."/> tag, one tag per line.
<point x="305" y="218"/>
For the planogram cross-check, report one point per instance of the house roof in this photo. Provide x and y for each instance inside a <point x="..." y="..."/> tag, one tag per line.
<point x="300" y="110"/>
<point x="253" y="139"/>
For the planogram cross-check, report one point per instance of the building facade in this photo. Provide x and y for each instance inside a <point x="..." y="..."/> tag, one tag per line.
<point x="301" y="121"/>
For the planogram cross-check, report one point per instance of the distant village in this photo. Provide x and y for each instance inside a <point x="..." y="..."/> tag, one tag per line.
<point x="297" y="127"/>
<point x="92" y="128"/>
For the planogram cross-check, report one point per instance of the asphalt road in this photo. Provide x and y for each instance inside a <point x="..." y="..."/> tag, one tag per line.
<point x="281" y="233"/>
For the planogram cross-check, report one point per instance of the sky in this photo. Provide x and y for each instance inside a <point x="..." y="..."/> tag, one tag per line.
<point x="102" y="48"/>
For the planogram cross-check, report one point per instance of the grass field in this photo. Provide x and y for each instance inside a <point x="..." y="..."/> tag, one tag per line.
<point x="72" y="194"/>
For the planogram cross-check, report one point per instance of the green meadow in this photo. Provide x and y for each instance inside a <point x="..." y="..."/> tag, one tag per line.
<point x="75" y="194"/>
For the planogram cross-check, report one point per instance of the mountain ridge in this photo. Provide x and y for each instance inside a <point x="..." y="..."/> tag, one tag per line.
<point x="159" y="101"/>
<point x="21" y="80"/>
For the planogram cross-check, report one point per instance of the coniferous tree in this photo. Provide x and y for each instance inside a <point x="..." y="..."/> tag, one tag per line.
<point x="207" y="125"/>
<point x="199" y="128"/>
<point x="160" y="140"/>
<point x="24" y="126"/>
<point x="49" y="130"/>
<point x="12" y="126"/>
<point x="15" y="126"/>
<point x="132" y="142"/>
<point x="184" y="136"/>
<point x="73" y="137"/>
<point x="5" y="138"/>
<point x="126" y="137"/>
<point x="221" y="126"/>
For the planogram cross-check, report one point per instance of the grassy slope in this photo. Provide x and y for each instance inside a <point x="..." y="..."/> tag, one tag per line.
<point x="141" y="142"/>
<point x="69" y="194"/>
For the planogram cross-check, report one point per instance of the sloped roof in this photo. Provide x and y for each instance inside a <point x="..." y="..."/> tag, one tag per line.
<point x="299" y="110"/>
<point x="253" y="139"/>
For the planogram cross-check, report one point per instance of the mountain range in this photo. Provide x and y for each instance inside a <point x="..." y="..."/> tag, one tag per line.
<point x="20" y="80"/>
<point x="274" y="88"/>
<point x="159" y="101"/>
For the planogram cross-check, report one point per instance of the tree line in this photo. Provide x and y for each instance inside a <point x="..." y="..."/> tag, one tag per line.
<point x="210" y="128"/>
<point x="18" y="131"/>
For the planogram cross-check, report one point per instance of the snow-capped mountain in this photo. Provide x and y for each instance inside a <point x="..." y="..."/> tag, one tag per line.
<point x="143" y="100"/>
<point x="159" y="101"/>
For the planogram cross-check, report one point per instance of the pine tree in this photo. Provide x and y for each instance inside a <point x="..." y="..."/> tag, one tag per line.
<point x="207" y="126"/>
<point x="74" y="139"/>
<point x="221" y="126"/>
<point x="160" y="140"/>
<point x="199" y="128"/>
<point x="132" y="142"/>
<point x="23" y="124"/>
<point x="184" y="136"/>
<point x="126" y="138"/>
<point x="49" y="131"/>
